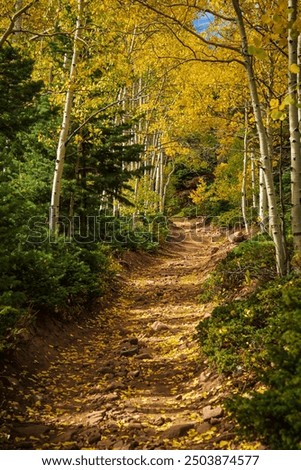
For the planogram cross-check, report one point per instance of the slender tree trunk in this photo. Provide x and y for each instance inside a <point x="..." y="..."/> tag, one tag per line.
<point x="299" y="80"/>
<point x="253" y="176"/>
<point x="295" y="144"/>
<point x="244" y="175"/>
<point x="263" y="202"/>
<point x="61" y="148"/>
<point x="266" y="163"/>
<point x="166" y="186"/>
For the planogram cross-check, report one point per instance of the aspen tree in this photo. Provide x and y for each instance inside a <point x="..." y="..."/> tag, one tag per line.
<point x="295" y="144"/>
<point x="265" y="157"/>
<point x="64" y="132"/>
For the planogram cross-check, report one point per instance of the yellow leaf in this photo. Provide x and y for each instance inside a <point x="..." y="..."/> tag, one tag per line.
<point x="294" y="68"/>
<point x="274" y="103"/>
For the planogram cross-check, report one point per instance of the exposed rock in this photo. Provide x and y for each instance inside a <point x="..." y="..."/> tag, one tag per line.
<point x="203" y="427"/>
<point x="111" y="397"/>
<point x="134" y="373"/>
<point x="134" y="426"/>
<point x="144" y="356"/>
<point x="178" y="430"/>
<point x="209" y="412"/>
<point x="205" y="376"/>
<point x="159" y="326"/>
<point x="129" y="352"/>
<point x="237" y="237"/>
<point x="159" y="421"/>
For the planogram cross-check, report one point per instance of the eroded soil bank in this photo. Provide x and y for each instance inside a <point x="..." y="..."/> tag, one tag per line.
<point x="131" y="377"/>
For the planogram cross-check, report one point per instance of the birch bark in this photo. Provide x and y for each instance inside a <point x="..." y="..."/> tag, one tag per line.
<point x="265" y="157"/>
<point x="64" y="133"/>
<point x="295" y="145"/>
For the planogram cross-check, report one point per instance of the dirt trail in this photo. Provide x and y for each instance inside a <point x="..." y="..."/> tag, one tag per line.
<point x="132" y="377"/>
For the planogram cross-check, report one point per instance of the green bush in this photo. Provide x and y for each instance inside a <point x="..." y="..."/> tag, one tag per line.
<point x="261" y="338"/>
<point x="54" y="277"/>
<point x="252" y="260"/>
<point x="8" y="318"/>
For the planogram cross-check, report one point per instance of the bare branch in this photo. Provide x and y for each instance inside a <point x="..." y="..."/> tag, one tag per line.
<point x="13" y="20"/>
<point x="219" y="15"/>
<point x="89" y="118"/>
<point x="186" y="28"/>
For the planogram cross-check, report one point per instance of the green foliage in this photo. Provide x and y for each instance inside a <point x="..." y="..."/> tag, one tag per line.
<point x="135" y="232"/>
<point x="17" y="91"/>
<point x="261" y="338"/>
<point x="252" y="260"/>
<point x="37" y="273"/>
<point x="8" y="318"/>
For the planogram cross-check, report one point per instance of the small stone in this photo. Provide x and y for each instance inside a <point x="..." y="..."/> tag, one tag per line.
<point x="159" y="326"/>
<point x="134" y="373"/>
<point x="203" y="427"/>
<point x="237" y="237"/>
<point x="209" y="412"/>
<point x="144" y="356"/>
<point x="178" y="430"/>
<point x="159" y="421"/>
<point x="111" y="397"/>
<point x="134" y="427"/>
<point x="204" y="376"/>
<point x="129" y="352"/>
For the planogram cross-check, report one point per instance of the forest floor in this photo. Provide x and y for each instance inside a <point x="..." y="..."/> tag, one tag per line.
<point x="130" y="377"/>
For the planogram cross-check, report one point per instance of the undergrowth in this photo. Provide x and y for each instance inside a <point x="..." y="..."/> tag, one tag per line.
<point x="257" y="341"/>
<point x="250" y="262"/>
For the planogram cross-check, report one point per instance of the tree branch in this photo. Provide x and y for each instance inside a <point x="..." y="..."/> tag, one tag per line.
<point x="13" y="20"/>
<point x="88" y="119"/>
<point x="186" y="28"/>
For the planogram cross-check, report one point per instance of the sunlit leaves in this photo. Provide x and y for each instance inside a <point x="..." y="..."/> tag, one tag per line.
<point x="294" y="68"/>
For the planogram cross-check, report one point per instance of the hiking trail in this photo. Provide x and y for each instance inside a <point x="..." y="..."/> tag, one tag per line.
<point x="132" y="376"/>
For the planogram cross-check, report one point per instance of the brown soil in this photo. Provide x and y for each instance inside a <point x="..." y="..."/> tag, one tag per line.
<point x="131" y="377"/>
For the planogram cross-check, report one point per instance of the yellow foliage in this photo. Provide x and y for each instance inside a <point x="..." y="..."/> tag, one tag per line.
<point x="199" y="195"/>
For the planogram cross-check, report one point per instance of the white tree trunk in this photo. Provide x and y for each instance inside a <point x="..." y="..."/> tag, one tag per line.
<point x="253" y="176"/>
<point x="299" y="80"/>
<point x="294" y="128"/>
<point x="263" y="202"/>
<point x="61" y="148"/>
<point x="244" y="175"/>
<point x="265" y="157"/>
